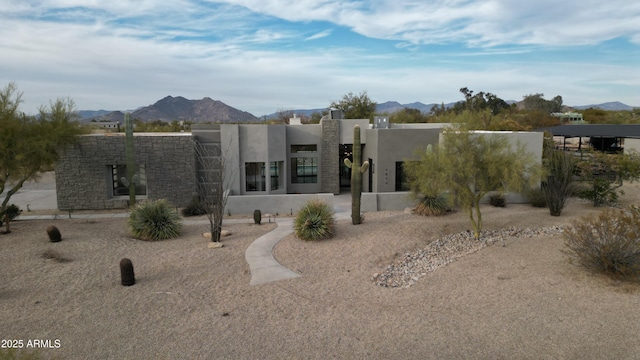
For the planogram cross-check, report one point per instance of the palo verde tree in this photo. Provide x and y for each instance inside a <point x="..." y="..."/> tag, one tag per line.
<point x="355" y="106"/>
<point x="470" y="165"/>
<point x="30" y="145"/>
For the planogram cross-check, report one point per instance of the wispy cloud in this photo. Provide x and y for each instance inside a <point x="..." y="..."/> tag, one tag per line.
<point x="319" y="35"/>
<point x="264" y="55"/>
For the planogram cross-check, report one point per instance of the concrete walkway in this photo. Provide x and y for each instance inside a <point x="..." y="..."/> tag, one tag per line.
<point x="264" y="267"/>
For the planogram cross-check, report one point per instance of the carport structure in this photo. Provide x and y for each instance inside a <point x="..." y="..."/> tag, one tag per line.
<point x="604" y="137"/>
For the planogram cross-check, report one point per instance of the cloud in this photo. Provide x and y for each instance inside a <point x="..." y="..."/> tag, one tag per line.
<point x="258" y="55"/>
<point x="477" y="23"/>
<point x="319" y="35"/>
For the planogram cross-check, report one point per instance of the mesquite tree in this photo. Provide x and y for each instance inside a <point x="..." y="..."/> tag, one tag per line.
<point x="356" y="176"/>
<point x="30" y="145"/>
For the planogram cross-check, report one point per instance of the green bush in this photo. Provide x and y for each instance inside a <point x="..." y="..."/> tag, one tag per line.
<point x="154" y="220"/>
<point x="608" y="243"/>
<point x="10" y="213"/>
<point x="537" y="197"/>
<point x="498" y="200"/>
<point x="432" y="206"/>
<point x="314" y="221"/>
<point x="601" y="192"/>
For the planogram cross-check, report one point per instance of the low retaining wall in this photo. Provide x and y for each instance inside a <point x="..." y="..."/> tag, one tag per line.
<point x="283" y="205"/>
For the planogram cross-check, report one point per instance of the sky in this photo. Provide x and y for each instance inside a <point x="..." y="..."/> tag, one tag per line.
<point x="264" y="56"/>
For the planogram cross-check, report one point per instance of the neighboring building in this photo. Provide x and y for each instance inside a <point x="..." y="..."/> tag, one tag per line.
<point x="569" y="118"/>
<point x="268" y="164"/>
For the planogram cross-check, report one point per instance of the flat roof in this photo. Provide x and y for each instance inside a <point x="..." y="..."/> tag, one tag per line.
<point x="142" y="134"/>
<point x="594" y="130"/>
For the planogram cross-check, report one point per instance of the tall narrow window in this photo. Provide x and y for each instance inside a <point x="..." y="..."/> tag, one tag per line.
<point x="255" y="176"/>
<point x="275" y="169"/>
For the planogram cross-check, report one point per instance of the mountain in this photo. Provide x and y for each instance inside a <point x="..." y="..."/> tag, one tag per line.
<point x="178" y="108"/>
<point x="87" y="114"/>
<point x="609" y="106"/>
<point x="208" y="110"/>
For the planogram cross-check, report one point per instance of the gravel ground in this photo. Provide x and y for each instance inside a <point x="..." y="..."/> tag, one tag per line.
<point x="522" y="300"/>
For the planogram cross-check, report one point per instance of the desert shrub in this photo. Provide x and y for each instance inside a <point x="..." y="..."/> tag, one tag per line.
<point x="154" y="220"/>
<point x="257" y="217"/>
<point x="536" y="197"/>
<point x="560" y="167"/>
<point x="10" y="213"/>
<point x="607" y="243"/>
<point x="600" y="192"/>
<point x="195" y="208"/>
<point x="314" y="221"/>
<point x="432" y="206"/>
<point x="498" y="200"/>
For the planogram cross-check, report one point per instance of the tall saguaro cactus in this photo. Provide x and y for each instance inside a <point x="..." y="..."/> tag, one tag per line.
<point x="356" y="176"/>
<point x="131" y="178"/>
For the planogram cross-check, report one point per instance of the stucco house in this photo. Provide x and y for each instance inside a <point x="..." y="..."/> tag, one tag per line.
<point x="276" y="168"/>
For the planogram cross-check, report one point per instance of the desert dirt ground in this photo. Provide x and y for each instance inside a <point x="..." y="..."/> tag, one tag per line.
<point x="519" y="301"/>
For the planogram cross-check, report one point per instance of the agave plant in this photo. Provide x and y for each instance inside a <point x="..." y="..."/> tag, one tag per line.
<point x="154" y="220"/>
<point x="314" y="221"/>
<point x="432" y="206"/>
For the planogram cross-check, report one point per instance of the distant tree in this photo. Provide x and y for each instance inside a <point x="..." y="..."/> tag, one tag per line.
<point x="438" y="110"/>
<point x="408" y="115"/>
<point x="485" y="120"/>
<point x="355" y="106"/>
<point x="470" y="165"/>
<point x="538" y="102"/>
<point x="535" y="119"/>
<point x="480" y="102"/>
<point x="161" y="126"/>
<point x="316" y="116"/>
<point x="283" y="115"/>
<point x="30" y="145"/>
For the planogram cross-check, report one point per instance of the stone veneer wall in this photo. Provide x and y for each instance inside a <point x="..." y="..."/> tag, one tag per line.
<point x="82" y="172"/>
<point x="330" y="157"/>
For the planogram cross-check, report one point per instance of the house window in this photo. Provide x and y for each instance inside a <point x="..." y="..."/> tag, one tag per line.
<point x="401" y="177"/>
<point x="120" y="183"/>
<point x="295" y="149"/>
<point x="255" y="176"/>
<point x="304" y="170"/>
<point x="275" y="169"/>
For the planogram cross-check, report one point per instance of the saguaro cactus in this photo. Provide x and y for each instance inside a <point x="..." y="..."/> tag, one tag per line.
<point x="356" y="176"/>
<point x="131" y="178"/>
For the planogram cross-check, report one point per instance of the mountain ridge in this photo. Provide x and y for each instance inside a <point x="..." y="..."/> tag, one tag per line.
<point x="206" y="109"/>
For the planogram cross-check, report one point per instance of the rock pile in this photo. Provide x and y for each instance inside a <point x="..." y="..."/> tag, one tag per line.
<point x="406" y="271"/>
